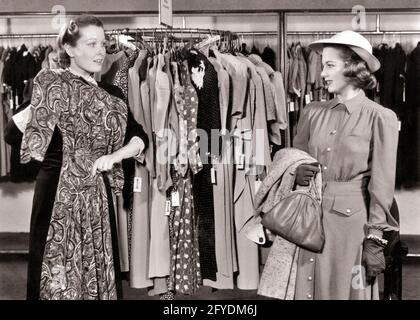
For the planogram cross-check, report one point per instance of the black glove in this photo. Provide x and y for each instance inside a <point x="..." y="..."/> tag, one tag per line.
<point x="305" y="172"/>
<point x="373" y="259"/>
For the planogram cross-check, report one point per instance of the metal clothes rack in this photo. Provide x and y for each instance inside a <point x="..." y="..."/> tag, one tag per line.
<point x="147" y="32"/>
<point x="169" y="31"/>
<point x="27" y="35"/>
<point x="377" y="31"/>
<point x="326" y="33"/>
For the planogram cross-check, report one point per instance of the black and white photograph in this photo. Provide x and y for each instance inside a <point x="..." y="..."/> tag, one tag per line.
<point x="241" y="152"/>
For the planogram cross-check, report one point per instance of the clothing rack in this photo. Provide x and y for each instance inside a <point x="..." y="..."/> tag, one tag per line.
<point x="257" y="33"/>
<point x="140" y="31"/>
<point x="28" y="35"/>
<point x="377" y="31"/>
<point x="328" y="33"/>
<point x="181" y="32"/>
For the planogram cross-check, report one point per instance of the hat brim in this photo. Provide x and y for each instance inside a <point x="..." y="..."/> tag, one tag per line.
<point x="371" y="61"/>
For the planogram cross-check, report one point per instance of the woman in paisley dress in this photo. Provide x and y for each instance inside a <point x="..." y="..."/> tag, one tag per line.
<point x="79" y="256"/>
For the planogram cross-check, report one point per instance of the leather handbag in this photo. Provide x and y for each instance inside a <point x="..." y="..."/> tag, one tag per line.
<point x="298" y="219"/>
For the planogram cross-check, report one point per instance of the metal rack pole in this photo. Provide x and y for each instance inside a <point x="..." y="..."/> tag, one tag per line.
<point x="327" y="33"/>
<point x="19" y="36"/>
<point x="282" y="61"/>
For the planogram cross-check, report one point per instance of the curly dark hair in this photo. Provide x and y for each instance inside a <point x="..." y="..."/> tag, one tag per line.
<point x="356" y="69"/>
<point x="70" y="33"/>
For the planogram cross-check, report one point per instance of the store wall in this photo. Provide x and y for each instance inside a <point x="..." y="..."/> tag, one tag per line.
<point x="234" y="23"/>
<point x="15" y="206"/>
<point x="200" y="5"/>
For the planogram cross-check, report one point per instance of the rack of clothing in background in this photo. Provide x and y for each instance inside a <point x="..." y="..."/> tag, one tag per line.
<point x="397" y="89"/>
<point x="183" y="215"/>
<point x="19" y="63"/>
<point x="186" y="225"/>
<point x="260" y="44"/>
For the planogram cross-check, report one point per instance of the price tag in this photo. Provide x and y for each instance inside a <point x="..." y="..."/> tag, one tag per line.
<point x="292" y="106"/>
<point x="16" y="100"/>
<point x="213" y="175"/>
<point x="175" y="199"/>
<point x="377" y="87"/>
<point x="307" y="98"/>
<point x="404" y="94"/>
<point x="241" y="164"/>
<point x="11" y="103"/>
<point x="399" y="125"/>
<point x="311" y="96"/>
<point x="137" y="184"/>
<point x="257" y="185"/>
<point x="167" y="207"/>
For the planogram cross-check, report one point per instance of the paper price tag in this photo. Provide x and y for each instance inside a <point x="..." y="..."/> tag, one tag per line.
<point x="291" y="106"/>
<point x="404" y="94"/>
<point x="137" y="184"/>
<point x="213" y="175"/>
<point x="16" y="100"/>
<point x="311" y="96"/>
<point x="307" y="98"/>
<point x="11" y="103"/>
<point x="257" y="185"/>
<point x="241" y="164"/>
<point x="399" y="125"/>
<point x="175" y="199"/>
<point x="167" y="207"/>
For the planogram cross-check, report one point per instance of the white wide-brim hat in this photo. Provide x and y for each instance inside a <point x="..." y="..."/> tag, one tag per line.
<point x="355" y="42"/>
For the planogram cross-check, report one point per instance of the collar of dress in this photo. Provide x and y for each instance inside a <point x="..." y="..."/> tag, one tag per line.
<point x="352" y="104"/>
<point x="89" y="79"/>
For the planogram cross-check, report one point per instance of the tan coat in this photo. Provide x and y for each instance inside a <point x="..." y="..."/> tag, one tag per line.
<point x="140" y="236"/>
<point x="279" y="276"/>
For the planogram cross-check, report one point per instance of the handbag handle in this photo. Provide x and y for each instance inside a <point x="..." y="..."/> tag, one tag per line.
<point x="312" y="186"/>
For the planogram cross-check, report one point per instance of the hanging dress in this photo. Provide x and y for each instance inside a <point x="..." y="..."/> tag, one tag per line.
<point x="185" y="275"/>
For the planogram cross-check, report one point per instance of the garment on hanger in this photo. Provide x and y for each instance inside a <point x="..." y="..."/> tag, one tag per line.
<point x="223" y="192"/>
<point x="204" y="80"/>
<point x="413" y="101"/>
<point x="269" y="57"/>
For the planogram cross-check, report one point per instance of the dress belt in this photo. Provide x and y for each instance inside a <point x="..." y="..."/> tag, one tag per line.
<point x="345" y="187"/>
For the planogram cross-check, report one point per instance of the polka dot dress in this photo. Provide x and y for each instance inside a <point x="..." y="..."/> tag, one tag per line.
<point x="185" y="275"/>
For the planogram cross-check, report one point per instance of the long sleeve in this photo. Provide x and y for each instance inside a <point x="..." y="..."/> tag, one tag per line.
<point x="382" y="182"/>
<point x="47" y="103"/>
<point x="134" y="129"/>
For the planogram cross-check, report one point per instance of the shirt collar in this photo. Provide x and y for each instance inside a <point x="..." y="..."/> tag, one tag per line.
<point x="352" y="104"/>
<point x="89" y="79"/>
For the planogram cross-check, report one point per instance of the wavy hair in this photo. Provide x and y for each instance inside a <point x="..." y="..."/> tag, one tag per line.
<point x="70" y="33"/>
<point x="355" y="68"/>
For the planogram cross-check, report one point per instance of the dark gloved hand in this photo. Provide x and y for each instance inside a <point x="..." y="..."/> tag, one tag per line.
<point x="305" y="172"/>
<point x="373" y="259"/>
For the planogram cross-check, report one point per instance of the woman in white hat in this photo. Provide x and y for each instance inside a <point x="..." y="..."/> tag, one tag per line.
<point x="355" y="140"/>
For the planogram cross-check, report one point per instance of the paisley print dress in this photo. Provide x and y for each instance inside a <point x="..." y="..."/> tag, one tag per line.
<point x="78" y="258"/>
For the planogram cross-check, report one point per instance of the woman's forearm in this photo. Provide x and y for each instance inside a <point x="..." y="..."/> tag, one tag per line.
<point x="131" y="149"/>
<point x="134" y="148"/>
